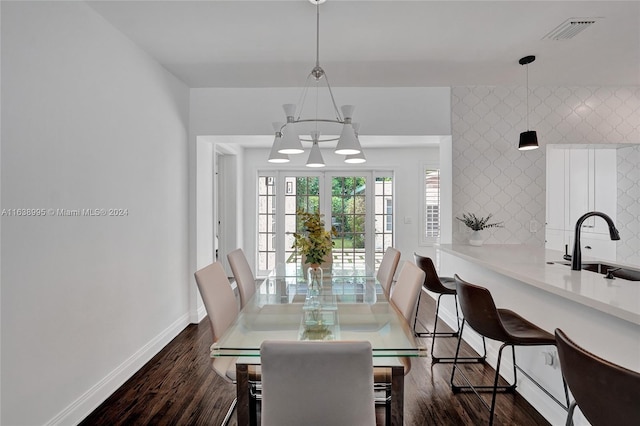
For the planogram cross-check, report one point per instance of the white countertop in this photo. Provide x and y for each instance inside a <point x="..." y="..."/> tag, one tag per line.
<point x="528" y="264"/>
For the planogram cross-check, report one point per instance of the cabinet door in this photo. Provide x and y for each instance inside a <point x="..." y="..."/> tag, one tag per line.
<point x="554" y="239"/>
<point x="598" y="246"/>
<point x="580" y="200"/>
<point x="556" y="188"/>
<point x="605" y="194"/>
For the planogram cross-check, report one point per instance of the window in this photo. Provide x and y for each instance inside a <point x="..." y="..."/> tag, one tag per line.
<point x="266" y="222"/>
<point x="350" y="203"/>
<point x="383" y="194"/>
<point x="431" y="205"/>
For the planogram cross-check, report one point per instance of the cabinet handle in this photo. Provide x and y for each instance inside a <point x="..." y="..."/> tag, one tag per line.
<point x="587" y="247"/>
<point x="588" y="226"/>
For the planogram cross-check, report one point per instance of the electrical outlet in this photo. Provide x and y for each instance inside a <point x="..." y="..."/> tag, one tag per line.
<point x="551" y="359"/>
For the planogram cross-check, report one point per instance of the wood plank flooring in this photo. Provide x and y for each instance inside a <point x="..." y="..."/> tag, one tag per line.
<point x="178" y="387"/>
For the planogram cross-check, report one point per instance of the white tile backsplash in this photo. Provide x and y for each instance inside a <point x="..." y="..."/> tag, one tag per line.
<point x="490" y="174"/>
<point x="628" y="213"/>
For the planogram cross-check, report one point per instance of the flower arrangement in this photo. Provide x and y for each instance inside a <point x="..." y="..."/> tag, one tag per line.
<point x="314" y="242"/>
<point x="478" y="223"/>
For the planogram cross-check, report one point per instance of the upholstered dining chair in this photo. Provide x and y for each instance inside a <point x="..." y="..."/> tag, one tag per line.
<point x="606" y="393"/>
<point x="243" y="275"/>
<point x="404" y="298"/>
<point x="222" y="310"/>
<point x="387" y="269"/>
<point x="317" y="383"/>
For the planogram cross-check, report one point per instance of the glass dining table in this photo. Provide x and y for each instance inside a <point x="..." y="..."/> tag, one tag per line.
<point x="350" y="305"/>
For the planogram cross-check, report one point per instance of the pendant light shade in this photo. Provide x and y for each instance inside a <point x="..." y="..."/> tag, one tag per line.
<point x="356" y="158"/>
<point x="274" y="155"/>
<point x="315" y="156"/>
<point x="528" y="139"/>
<point x="348" y="143"/>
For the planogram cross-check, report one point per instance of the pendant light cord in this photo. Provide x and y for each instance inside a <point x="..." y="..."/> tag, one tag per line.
<point x="317" y="34"/>
<point x="527" y="97"/>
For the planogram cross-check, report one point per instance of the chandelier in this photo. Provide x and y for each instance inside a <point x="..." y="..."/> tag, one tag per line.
<point x="312" y="129"/>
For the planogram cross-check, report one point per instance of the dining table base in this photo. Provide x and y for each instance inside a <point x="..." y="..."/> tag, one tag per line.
<point x="247" y="407"/>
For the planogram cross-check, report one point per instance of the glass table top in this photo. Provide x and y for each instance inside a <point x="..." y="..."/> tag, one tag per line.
<point x="350" y="305"/>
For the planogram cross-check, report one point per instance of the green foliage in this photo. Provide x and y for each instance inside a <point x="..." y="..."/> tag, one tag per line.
<point x="313" y="241"/>
<point x="478" y="223"/>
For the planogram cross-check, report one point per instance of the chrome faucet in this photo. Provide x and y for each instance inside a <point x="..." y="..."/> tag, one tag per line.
<point x="576" y="259"/>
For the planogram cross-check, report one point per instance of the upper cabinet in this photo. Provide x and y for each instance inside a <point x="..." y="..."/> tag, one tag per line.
<point x="580" y="180"/>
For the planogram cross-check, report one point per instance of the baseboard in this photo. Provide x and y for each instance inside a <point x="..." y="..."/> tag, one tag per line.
<point x="92" y="398"/>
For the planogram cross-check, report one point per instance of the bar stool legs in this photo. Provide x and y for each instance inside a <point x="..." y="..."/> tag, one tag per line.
<point x="434" y="334"/>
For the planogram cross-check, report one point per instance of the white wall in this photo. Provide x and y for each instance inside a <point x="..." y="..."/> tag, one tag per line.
<point x="90" y="122"/>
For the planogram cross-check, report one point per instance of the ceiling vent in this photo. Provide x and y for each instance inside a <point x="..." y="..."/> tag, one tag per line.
<point x="569" y="28"/>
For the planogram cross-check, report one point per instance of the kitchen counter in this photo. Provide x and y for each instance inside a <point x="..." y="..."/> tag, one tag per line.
<point x="601" y="315"/>
<point x="545" y="270"/>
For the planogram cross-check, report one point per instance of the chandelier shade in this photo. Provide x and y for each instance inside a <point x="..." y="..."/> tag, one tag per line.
<point x="290" y="136"/>
<point x="315" y="156"/>
<point x="275" y="156"/>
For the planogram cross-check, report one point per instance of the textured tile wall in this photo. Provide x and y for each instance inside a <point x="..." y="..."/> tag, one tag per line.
<point x="628" y="214"/>
<point x="490" y="175"/>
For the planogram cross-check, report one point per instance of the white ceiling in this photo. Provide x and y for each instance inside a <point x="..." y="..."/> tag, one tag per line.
<point x="383" y="43"/>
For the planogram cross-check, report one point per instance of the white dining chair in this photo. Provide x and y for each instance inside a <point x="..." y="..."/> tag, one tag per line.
<point x="407" y="289"/>
<point x="222" y="310"/>
<point x="243" y="275"/>
<point x="317" y="383"/>
<point x="387" y="269"/>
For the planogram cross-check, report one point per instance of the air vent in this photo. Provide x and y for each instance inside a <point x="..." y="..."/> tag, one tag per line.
<point x="569" y="28"/>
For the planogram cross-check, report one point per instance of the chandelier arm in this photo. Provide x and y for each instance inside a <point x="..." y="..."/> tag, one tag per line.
<point x="335" y="107"/>
<point x="303" y="97"/>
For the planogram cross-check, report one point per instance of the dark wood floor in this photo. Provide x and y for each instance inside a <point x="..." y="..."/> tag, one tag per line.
<point x="178" y="387"/>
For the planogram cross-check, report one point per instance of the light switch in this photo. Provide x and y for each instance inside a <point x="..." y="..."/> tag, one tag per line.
<point x="408" y="220"/>
<point x="533" y="226"/>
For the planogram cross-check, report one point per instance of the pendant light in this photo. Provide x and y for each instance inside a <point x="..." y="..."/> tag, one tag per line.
<point x="528" y="139"/>
<point x="275" y="156"/>
<point x="355" y="158"/>
<point x="315" y="156"/>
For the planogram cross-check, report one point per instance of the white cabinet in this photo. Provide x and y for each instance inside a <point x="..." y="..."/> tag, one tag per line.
<point x="598" y="246"/>
<point x="581" y="180"/>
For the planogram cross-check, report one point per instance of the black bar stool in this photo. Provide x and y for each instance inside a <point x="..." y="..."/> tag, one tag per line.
<point x="606" y="393"/>
<point x="443" y="286"/>
<point x="503" y="325"/>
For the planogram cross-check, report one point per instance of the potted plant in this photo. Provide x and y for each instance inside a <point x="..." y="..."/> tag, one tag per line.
<point x="478" y="224"/>
<point x="314" y="242"/>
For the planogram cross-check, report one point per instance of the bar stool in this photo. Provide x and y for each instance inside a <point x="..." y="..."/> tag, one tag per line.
<point x="503" y="325"/>
<point x="443" y="286"/>
<point x="606" y="393"/>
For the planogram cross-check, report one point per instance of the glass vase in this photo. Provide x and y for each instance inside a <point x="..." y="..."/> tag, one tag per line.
<point x="314" y="278"/>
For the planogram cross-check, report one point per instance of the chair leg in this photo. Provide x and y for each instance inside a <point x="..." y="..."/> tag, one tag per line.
<point x="433" y="333"/>
<point x="457" y="333"/>
<point x="227" y="417"/>
<point x="572" y="407"/>
<point x="481" y="388"/>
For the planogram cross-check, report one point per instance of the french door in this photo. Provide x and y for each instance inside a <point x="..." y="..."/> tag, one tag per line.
<point x="359" y="205"/>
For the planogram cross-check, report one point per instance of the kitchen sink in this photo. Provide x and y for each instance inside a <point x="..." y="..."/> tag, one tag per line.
<point x="610" y="270"/>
